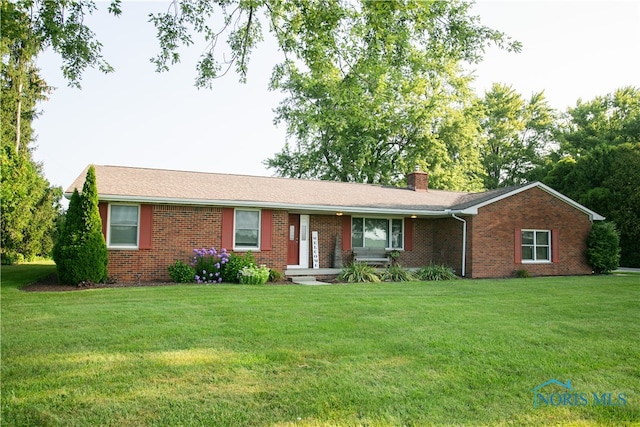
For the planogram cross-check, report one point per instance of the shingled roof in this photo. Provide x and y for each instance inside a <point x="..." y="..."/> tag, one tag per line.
<point x="142" y="185"/>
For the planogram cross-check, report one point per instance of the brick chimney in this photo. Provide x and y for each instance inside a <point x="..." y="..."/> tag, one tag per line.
<point x="418" y="181"/>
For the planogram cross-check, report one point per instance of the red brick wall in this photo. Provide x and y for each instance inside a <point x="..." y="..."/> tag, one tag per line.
<point x="447" y="243"/>
<point x="422" y="245"/>
<point x="276" y="258"/>
<point x="493" y="231"/>
<point x="329" y="227"/>
<point x="177" y="230"/>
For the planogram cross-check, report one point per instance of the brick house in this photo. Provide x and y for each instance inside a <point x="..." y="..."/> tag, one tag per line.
<point x="151" y="218"/>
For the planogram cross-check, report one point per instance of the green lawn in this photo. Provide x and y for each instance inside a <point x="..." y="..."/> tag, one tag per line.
<point x="443" y="353"/>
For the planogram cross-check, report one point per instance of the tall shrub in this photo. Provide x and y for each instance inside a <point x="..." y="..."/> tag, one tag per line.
<point x="81" y="252"/>
<point x="95" y="255"/>
<point x="603" y="247"/>
<point x="66" y="249"/>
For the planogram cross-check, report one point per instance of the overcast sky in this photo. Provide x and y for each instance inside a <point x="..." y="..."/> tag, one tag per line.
<point x="136" y="117"/>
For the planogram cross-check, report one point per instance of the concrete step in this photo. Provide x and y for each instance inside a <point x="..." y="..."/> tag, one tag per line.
<point x="306" y="280"/>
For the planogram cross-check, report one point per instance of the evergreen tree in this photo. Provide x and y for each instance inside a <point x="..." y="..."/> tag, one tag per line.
<point x="94" y="251"/>
<point x="81" y="251"/>
<point x="29" y="205"/>
<point x="66" y="251"/>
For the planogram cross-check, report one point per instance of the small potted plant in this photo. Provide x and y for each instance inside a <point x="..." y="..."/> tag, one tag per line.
<point x="394" y="255"/>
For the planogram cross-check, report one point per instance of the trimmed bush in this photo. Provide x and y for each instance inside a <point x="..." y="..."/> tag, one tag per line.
<point x="254" y="275"/>
<point x="436" y="272"/>
<point x="359" y="272"/>
<point x="231" y="269"/>
<point x="603" y="247"/>
<point x="181" y="272"/>
<point x="396" y="273"/>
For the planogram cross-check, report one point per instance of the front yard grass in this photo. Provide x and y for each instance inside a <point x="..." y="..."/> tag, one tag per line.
<point x="466" y="352"/>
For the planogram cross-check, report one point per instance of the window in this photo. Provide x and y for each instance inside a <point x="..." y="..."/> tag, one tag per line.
<point x="123" y="226"/>
<point x="247" y="229"/>
<point x="381" y="233"/>
<point x="536" y="246"/>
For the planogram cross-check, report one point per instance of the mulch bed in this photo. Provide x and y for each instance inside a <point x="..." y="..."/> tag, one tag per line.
<point x="51" y="284"/>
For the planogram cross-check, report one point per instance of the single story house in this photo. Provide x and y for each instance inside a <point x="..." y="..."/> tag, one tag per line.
<point x="152" y="217"/>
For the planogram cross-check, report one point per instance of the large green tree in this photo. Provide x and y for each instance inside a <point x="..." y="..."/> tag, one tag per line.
<point x="28" y="203"/>
<point x="373" y="88"/>
<point x="384" y="94"/>
<point x="610" y="119"/>
<point x="600" y="163"/>
<point x="316" y="34"/>
<point x="606" y="180"/>
<point x="518" y="136"/>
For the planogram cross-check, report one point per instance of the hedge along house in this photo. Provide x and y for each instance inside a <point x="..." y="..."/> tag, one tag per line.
<point x="151" y="218"/>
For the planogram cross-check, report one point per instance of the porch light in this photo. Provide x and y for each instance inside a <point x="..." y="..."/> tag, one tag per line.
<point x="414" y="216"/>
<point x="339" y="213"/>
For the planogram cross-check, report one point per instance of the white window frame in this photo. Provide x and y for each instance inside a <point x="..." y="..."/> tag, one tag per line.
<point x="390" y="222"/>
<point x="535" y="245"/>
<point x="121" y="246"/>
<point x="235" y="223"/>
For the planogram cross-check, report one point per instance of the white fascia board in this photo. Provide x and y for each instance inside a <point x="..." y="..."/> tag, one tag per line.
<point x="347" y="210"/>
<point x="593" y="216"/>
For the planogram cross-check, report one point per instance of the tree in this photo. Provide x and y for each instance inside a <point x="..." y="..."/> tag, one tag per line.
<point x="399" y="62"/>
<point x="66" y="253"/>
<point x="29" y="205"/>
<point x="599" y="166"/>
<point x="37" y="25"/>
<point x="611" y="119"/>
<point x="315" y="34"/>
<point x="375" y="88"/>
<point x="81" y="252"/>
<point x="380" y="93"/>
<point x="606" y="181"/>
<point x="517" y="136"/>
<point x="96" y="257"/>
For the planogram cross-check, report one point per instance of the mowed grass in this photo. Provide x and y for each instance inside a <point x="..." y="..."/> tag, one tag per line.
<point x="466" y="352"/>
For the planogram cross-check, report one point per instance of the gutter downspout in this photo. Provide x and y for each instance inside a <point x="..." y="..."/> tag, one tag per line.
<point x="464" y="242"/>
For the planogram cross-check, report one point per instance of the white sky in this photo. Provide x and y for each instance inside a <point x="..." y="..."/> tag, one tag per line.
<point x="137" y="117"/>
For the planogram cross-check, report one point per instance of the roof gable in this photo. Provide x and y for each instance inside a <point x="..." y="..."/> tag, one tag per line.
<point x="472" y="205"/>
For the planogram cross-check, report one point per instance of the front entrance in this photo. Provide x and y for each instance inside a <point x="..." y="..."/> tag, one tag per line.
<point x="293" y="249"/>
<point x="298" y="242"/>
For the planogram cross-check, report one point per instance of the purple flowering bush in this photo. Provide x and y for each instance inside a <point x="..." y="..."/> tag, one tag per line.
<point x="208" y="264"/>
